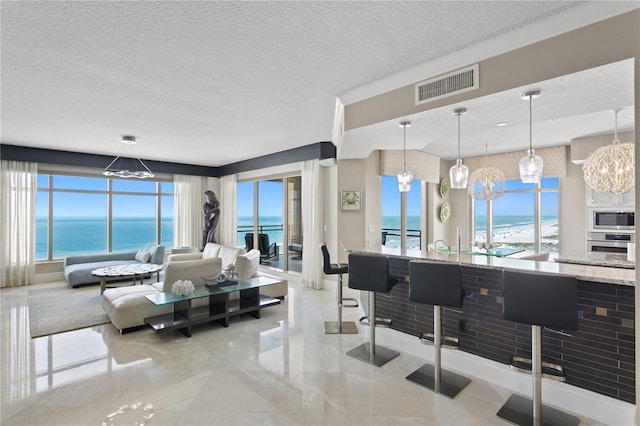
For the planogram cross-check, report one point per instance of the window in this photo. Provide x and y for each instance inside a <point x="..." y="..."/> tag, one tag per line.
<point x="526" y="216"/>
<point x="391" y="212"/>
<point x="73" y="215"/>
<point x="276" y="218"/>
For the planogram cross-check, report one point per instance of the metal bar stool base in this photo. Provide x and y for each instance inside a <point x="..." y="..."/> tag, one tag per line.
<point x="519" y="411"/>
<point x="333" y="327"/>
<point x="450" y="383"/>
<point x="353" y="303"/>
<point x="382" y="355"/>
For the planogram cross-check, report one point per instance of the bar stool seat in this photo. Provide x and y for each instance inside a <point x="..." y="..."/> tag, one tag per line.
<point x="370" y="272"/>
<point x="438" y="284"/>
<point x="539" y="300"/>
<point x="338" y="327"/>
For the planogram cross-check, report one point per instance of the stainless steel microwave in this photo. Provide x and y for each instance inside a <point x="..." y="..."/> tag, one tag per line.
<point x="618" y="219"/>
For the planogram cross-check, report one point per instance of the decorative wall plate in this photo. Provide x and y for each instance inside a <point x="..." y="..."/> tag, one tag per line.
<point x="445" y="186"/>
<point x="445" y="212"/>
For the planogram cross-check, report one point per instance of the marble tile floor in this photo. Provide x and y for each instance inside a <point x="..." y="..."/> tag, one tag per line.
<point x="279" y="370"/>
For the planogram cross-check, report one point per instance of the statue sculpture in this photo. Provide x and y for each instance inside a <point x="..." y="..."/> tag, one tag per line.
<point x="211" y="215"/>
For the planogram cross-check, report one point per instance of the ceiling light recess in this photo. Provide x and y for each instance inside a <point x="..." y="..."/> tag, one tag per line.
<point x="124" y="167"/>
<point x="611" y="168"/>
<point x="459" y="173"/>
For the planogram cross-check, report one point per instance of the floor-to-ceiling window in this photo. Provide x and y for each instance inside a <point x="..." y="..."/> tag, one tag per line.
<point x="78" y="214"/>
<point x="392" y="211"/>
<point x="526" y="216"/>
<point x="269" y="219"/>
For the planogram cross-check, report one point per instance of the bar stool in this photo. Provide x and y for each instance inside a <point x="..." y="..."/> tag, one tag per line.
<point x="370" y="272"/>
<point x="540" y="300"/>
<point x="438" y="284"/>
<point x="338" y="327"/>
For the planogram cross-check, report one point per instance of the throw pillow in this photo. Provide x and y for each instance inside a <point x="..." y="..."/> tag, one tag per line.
<point x="142" y="256"/>
<point x="247" y="265"/>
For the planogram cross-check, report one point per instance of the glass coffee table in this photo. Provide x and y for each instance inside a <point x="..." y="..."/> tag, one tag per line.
<point x="218" y="309"/>
<point x="135" y="271"/>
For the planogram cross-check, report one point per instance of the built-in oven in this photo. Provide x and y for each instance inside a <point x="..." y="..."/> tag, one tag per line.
<point x="611" y="219"/>
<point x="609" y="242"/>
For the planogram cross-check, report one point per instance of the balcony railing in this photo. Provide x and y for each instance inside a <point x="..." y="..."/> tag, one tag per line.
<point x="391" y="237"/>
<point x="273" y="231"/>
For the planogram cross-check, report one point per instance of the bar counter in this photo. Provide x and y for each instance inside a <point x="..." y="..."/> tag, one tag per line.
<point x="600" y="356"/>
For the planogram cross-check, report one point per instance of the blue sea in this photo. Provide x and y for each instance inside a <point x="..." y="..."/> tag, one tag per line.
<point x="84" y="235"/>
<point x="89" y="235"/>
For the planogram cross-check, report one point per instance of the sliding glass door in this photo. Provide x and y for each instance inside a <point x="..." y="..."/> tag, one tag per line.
<point x="270" y="220"/>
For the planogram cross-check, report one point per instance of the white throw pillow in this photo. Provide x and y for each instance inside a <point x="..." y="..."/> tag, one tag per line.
<point x="143" y="256"/>
<point x="247" y="265"/>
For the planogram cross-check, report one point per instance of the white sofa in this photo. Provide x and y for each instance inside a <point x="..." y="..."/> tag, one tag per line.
<point x="245" y="263"/>
<point x="127" y="307"/>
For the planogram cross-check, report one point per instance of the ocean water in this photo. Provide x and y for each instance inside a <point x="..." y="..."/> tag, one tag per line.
<point x="89" y="235"/>
<point x="85" y="235"/>
<point x="271" y="225"/>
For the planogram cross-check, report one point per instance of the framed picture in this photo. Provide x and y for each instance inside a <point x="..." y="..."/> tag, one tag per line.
<point x="351" y="200"/>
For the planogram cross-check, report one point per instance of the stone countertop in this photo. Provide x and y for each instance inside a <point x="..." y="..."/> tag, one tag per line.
<point x="611" y="260"/>
<point x="609" y="275"/>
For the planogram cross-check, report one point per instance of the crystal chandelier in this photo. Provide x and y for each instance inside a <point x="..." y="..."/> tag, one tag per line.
<point x="487" y="183"/>
<point x="459" y="174"/>
<point x="530" y="165"/>
<point x="132" y="167"/>
<point x="405" y="177"/>
<point x="611" y="168"/>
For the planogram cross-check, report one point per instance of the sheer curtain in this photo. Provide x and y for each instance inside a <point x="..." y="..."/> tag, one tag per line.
<point x="229" y="210"/>
<point x="187" y="211"/>
<point x="312" y="223"/>
<point x="18" y="188"/>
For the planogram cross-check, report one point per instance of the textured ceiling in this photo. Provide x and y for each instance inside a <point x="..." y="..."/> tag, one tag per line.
<point x="211" y="83"/>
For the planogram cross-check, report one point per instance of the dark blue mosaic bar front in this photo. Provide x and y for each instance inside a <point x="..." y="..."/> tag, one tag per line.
<point x="600" y="356"/>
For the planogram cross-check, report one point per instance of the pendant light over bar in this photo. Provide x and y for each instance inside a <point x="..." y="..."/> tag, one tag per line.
<point x="611" y="168"/>
<point x="530" y="165"/>
<point x="487" y="183"/>
<point x="459" y="173"/>
<point x="405" y="177"/>
<point x="119" y="166"/>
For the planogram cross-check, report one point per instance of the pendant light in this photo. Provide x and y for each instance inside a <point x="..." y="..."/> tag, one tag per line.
<point x="530" y="165"/>
<point x="487" y="183"/>
<point x="124" y="167"/>
<point x="611" y="168"/>
<point x="405" y="177"/>
<point x="459" y="174"/>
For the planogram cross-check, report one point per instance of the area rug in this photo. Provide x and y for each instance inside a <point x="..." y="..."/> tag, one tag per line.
<point x="59" y="309"/>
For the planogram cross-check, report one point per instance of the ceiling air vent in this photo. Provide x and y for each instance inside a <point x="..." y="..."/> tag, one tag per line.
<point x="449" y="84"/>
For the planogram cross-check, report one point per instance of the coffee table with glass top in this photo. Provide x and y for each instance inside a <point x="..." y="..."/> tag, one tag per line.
<point x="132" y="270"/>
<point x="218" y="309"/>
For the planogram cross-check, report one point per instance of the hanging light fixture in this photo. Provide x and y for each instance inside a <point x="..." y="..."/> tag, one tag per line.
<point x="530" y="165"/>
<point x="611" y="168"/>
<point x="132" y="167"/>
<point x="405" y="177"/>
<point x="487" y="183"/>
<point x="459" y="174"/>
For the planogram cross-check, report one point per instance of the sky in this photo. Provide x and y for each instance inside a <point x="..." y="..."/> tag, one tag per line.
<point x="270" y="201"/>
<point x="69" y="204"/>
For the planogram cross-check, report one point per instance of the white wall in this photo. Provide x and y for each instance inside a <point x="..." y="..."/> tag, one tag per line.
<point x="572" y="226"/>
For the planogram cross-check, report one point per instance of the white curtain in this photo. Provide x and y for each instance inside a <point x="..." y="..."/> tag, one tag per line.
<point x="229" y="207"/>
<point x="187" y="211"/>
<point x="312" y="224"/>
<point x="18" y="188"/>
